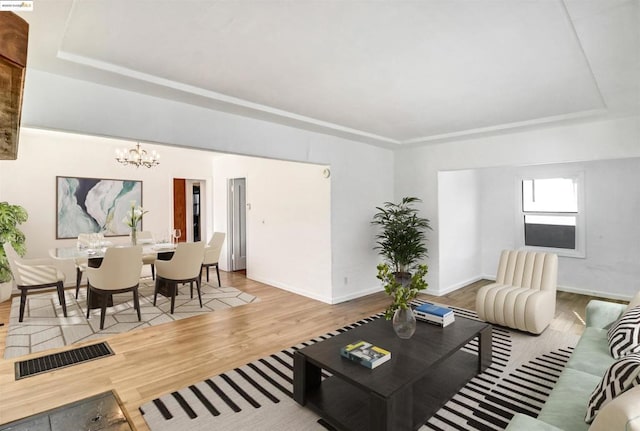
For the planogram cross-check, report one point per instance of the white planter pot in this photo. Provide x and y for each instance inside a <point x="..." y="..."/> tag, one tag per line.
<point x="5" y="290"/>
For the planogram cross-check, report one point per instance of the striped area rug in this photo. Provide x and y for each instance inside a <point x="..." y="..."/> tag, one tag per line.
<point x="258" y="396"/>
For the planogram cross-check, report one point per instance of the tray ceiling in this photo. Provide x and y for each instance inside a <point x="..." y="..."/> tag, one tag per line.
<point x="387" y="72"/>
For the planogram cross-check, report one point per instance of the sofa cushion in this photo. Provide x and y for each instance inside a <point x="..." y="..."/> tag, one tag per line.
<point x="567" y="404"/>
<point x="624" y="334"/>
<point x="521" y="422"/>
<point x="621" y="376"/>
<point x="621" y="414"/>
<point x="591" y="354"/>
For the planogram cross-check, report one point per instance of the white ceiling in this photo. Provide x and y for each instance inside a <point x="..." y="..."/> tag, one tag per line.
<point x="387" y="72"/>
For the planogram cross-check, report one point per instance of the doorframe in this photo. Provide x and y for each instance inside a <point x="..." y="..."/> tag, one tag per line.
<point x="230" y="265"/>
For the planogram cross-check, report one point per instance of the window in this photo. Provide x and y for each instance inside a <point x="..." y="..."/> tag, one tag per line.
<point x="551" y="216"/>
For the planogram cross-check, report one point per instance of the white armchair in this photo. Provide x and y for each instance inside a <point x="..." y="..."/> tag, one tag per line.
<point x="524" y="294"/>
<point x="31" y="274"/>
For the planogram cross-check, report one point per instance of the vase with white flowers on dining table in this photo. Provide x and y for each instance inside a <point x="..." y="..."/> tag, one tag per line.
<point x="132" y="219"/>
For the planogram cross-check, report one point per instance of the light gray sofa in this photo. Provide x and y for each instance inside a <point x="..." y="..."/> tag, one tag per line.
<point x="566" y="406"/>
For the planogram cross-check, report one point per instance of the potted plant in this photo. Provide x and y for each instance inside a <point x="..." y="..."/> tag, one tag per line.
<point x="401" y="294"/>
<point x="402" y="243"/>
<point x="10" y="217"/>
<point x="402" y="237"/>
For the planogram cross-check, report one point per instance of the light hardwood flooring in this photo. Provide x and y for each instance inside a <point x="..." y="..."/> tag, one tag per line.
<point x="157" y="360"/>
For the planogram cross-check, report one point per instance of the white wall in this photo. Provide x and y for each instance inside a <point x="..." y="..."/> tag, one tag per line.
<point x="362" y="176"/>
<point x="30" y="181"/>
<point x="288" y="222"/>
<point x="611" y="267"/>
<point x="417" y="167"/>
<point x="459" y="247"/>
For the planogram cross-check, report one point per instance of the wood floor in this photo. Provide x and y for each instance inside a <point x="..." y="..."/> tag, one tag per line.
<point x="157" y="360"/>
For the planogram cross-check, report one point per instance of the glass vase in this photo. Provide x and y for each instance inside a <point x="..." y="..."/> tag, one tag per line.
<point x="404" y="323"/>
<point x="134" y="237"/>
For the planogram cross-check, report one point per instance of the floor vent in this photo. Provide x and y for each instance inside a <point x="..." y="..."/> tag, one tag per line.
<point x="43" y="364"/>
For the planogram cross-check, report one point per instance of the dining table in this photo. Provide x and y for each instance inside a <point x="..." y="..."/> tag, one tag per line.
<point x="95" y="255"/>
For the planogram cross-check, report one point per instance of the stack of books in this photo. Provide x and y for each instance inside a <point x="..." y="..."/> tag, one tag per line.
<point x="434" y="314"/>
<point x="365" y="354"/>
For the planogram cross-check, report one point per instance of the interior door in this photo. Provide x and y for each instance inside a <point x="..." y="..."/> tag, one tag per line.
<point x="237" y="224"/>
<point x="180" y="207"/>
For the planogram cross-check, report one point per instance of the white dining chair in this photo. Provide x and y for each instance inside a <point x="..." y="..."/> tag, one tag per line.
<point x="30" y="274"/>
<point x="84" y="241"/>
<point x="184" y="267"/>
<point x="118" y="273"/>
<point x="212" y="253"/>
<point x="146" y="237"/>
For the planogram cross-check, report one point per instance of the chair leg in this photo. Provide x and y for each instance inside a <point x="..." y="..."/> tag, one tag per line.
<point x="174" y="287"/>
<point x="23" y="302"/>
<point x="78" y="281"/>
<point x="103" y="309"/>
<point x="155" y="292"/>
<point x="153" y="271"/>
<point x="136" y="302"/>
<point x="63" y="301"/>
<point x="88" y="299"/>
<point x="191" y="288"/>
<point x="199" y="294"/>
<point x="218" y="272"/>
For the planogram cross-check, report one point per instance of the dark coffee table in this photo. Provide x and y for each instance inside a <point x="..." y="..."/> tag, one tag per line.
<point x="423" y="374"/>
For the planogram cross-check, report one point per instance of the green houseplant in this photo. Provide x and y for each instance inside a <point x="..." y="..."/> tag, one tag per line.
<point x="402" y="237"/>
<point x="401" y="294"/>
<point x="10" y="217"/>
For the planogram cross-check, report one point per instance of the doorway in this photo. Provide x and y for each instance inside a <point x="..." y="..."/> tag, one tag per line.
<point x="189" y="205"/>
<point x="237" y="244"/>
<point x="197" y="232"/>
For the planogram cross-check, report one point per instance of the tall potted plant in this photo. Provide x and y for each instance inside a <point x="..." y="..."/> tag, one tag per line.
<point x="10" y="217"/>
<point x="401" y="242"/>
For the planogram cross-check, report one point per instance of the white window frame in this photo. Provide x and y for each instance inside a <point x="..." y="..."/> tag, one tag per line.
<point x="541" y="174"/>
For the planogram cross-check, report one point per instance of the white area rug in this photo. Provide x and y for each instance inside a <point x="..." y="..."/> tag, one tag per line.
<point x="44" y="326"/>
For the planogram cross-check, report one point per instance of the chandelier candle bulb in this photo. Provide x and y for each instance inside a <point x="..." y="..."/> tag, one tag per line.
<point x="138" y="157"/>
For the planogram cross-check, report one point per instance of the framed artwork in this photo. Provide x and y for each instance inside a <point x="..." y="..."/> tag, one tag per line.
<point x="88" y="205"/>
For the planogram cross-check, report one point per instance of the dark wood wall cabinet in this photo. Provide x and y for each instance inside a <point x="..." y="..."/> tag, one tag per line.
<point x="14" y="36"/>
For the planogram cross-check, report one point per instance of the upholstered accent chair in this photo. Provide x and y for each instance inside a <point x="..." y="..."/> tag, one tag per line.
<point x="212" y="253"/>
<point x="31" y="274"/>
<point x="524" y="294"/>
<point x="118" y="273"/>
<point x="184" y="267"/>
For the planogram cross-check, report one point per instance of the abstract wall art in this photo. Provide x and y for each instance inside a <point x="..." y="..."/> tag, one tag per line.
<point x="87" y="205"/>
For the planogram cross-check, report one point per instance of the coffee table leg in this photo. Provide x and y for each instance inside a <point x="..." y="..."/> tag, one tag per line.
<point x="485" y="354"/>
<point x="394" y="413"/>
<point x="306" y="377"/>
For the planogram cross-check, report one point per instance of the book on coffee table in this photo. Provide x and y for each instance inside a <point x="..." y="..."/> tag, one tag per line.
<point x="365" y="354"/>
<point x="435" y="314"/>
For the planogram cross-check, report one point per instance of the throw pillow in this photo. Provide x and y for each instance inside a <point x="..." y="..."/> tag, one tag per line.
<point x="624" y="334"/>
<point x="621" y="376"/>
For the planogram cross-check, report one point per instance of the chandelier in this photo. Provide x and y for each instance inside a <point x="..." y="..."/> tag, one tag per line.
<point x="137" y="157"/>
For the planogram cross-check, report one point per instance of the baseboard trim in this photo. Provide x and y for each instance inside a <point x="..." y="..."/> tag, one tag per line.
<point x="459" y="285"/>
<point x="291" y="289"/>
<point x="356" y="295"/>
<point x="597" y="293"/>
